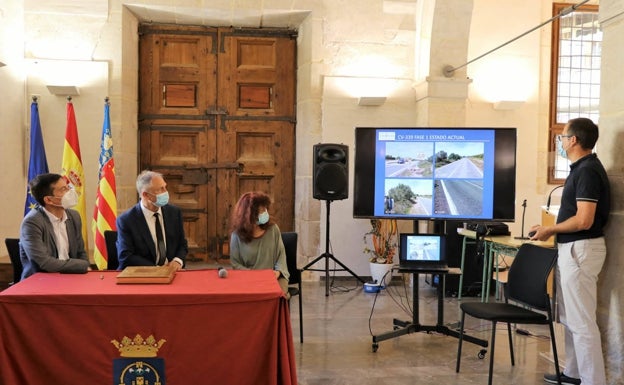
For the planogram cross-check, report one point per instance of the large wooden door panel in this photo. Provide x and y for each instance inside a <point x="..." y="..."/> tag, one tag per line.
<point x="180" y="144"/>
<point x="264" y="150"/>
<point x="217" y="119"/>
<point x="177" y="66"/>
<point x="256" y="86"/>
<point x="256" y="75"/>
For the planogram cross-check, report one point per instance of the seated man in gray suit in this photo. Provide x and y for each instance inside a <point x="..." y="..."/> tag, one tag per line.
<point x="151" y="233"/>
<point x="51" y="233"/>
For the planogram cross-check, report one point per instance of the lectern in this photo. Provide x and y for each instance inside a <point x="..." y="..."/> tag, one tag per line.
<point x="549" y="217"/>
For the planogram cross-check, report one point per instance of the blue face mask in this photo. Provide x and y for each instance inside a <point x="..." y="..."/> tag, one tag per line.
<point x="562" y="152"/>
<point x="162" y="199"/>
<point x="263" y="218"/>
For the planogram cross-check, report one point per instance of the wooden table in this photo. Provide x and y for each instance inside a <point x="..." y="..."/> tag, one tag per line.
<point x="494" y="246"/>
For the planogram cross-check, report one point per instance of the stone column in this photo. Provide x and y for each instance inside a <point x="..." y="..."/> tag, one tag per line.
<point x="609" y="149"/>
<point x="444" y="25"/>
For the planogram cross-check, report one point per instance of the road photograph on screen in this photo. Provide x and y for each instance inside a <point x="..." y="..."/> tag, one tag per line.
<point x="438" y="173"/>
<point x="423" y="248"/>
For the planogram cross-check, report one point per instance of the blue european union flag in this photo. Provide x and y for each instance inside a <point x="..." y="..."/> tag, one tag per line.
<point x="38" y="164"/>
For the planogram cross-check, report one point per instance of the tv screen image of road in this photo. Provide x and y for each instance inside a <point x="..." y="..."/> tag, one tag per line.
<point x="434" y="173"/>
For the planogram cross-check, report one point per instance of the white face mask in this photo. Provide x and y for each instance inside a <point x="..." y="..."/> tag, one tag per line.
<point x="70" y="199"/>
<point x="562" y="152"/>
<point x="263" y="218"/>
<point x="162" y="199"/>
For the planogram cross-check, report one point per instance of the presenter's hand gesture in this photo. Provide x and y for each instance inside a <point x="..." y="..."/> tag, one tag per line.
<point x="540" y="233"/>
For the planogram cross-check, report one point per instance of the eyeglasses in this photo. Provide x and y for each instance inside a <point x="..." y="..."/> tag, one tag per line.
<point x="62" y="190"/>
<point x="65" y="188"/>
<point x="559" y="137"/>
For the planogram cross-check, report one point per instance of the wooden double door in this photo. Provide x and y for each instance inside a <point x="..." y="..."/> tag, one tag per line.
<point x="217" y="119"/>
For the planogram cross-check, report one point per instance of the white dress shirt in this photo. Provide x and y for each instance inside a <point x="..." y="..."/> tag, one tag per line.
<point x="60" y="234"/>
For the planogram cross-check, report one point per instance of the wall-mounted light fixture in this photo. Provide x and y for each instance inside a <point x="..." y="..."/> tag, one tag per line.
<point x="2" y="64"/>
<point x="63" y="90"/>
<point x="371" y="101"/>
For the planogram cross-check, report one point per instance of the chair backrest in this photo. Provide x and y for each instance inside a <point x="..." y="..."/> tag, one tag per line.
<point x="528" y="276"/>
<point x="12" y="245"/>
<point x="290" y="244"/>
<point x="110" y="236"/>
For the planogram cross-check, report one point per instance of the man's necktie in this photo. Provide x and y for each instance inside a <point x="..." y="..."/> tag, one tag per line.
<point x="160" y="243"/>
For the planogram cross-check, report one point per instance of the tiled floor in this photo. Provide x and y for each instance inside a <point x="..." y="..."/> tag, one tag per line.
<point x="338" y="329"/>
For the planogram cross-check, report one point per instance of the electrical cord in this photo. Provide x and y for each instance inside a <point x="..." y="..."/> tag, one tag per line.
<point x="333" y="287"/>
<point x="400" y="295"/>
<point x="402" y="301"/>
<point x="525" y="332"/>
<point x="389" y="291"/>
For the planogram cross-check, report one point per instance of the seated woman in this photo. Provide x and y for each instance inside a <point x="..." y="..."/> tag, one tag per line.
<point x="256" y="241"/>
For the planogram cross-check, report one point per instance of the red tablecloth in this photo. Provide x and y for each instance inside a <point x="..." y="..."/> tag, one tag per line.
<point x="58" y="328"/>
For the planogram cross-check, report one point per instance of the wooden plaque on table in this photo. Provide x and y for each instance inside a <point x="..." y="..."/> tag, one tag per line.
<point x="146" y="274"/>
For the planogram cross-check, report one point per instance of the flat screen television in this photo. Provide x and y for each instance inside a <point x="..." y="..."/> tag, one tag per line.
<point x="435" y="173"/>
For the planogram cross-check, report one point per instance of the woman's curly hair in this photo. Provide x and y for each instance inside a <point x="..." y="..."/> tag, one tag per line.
<point x="245" y="214"/>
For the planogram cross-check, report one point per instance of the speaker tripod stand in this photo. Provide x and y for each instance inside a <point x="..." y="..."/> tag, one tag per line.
<point x="327" y="255"/>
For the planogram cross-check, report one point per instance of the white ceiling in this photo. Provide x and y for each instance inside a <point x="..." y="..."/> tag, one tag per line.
<point x="255" y="18"/>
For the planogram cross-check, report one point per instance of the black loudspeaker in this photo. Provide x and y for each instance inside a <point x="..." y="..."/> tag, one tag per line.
<point x="331" y="171"/>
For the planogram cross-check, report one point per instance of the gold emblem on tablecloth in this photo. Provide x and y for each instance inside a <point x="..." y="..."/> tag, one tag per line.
<point x="138" y="364"/>
<point x="138" y="347"/>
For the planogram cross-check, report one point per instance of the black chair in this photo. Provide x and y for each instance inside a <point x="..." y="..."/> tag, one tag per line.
<point x="110" y="237"/>
<point x="526" y="286"/>
<point x="290" y="244"/>
<point x="12" y="245"/>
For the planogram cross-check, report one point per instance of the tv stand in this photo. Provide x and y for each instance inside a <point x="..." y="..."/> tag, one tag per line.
<point x="407" y="327"/>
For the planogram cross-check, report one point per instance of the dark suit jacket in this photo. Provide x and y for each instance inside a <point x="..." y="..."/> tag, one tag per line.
<point x="38" y="245"/>
<point x="135" y="246"/>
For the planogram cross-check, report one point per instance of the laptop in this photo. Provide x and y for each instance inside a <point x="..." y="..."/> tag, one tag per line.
<point x="422" y="252"/>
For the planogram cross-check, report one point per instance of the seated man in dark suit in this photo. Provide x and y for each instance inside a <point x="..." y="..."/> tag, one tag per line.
<point x="151" y="233"/>
<point x="51" y="234"/>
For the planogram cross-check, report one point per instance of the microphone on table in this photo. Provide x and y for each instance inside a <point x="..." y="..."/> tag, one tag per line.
<point x="222" y="272"/>
<point x="523" y="213"/>
<point x="550" y="196"/>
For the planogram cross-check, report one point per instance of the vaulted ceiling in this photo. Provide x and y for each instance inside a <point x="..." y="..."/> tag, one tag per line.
<point x="176" y="12"/>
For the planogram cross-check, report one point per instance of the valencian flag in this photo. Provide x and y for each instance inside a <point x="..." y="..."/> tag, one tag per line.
<point x="72" y="166"/>
<point x="38" y="164"/>
<point x="105" y="212"/>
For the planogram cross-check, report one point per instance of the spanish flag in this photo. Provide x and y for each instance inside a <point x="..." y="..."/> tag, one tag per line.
<point x="72" y="166"/>
<point x="105" y="212"/>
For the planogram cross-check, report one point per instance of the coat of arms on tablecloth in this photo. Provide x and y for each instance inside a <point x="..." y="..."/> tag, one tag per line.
<point x="139" y="364"/>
